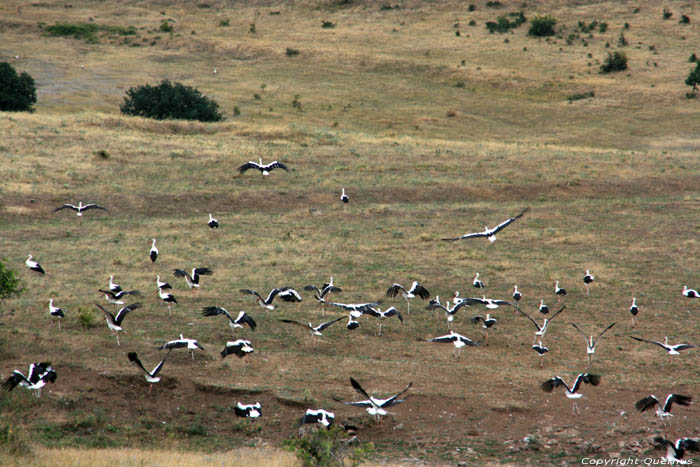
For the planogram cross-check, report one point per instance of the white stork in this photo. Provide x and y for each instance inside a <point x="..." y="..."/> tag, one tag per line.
<point x="516" y="295"/>
<point x="541" y="330"/>
<point x="162" y="285"/>
<point x="213" y="223"/>
<point x="690" y="293"/>
<point x="558" y="291"/>
<point x="190" y="344"/>
<point x="572" y="392"/>
<point x="671" y="349"/>
<point x="321" y="416"/>
<point x="590" y="342"/>
<point x="239" y="347"/>
<point x="248" y="410"/>
<point x="56" y="312"/>
<point x="286" y="294"/>
<point x="488" y="322"/>
<point x="634" y="310"/>
<point x="588" y="279"/>
<point x="663" y="411"/>
<point x="193" y="279"/>
<point x="39" y="374"/>
<point x="80" y="208"/>
<point x="151" y="376"/>
<point x="114" y="323"/>
<point x="264" y="169"/>
<point x="416" y="290"/>
<point x="33" y="265"/>
<point x="450" y="311"/>
<point x="115" y="298"/>
<point x="242" y="319"/>
<point x="167" y="298"/>
<point x="541" y="351"/>
<point x="490" y="233"/>
<point x="378" y="313"/>
<point x="153" y="254"/>
<point x="478" y="283"/>
<point x="458" y="340"/>
<point x="676" y="452"/>
<point x="543" y="308"/>
<point x="344" y="198"/>
<point x="315" y="330"/>
<point x="376" y="407"/>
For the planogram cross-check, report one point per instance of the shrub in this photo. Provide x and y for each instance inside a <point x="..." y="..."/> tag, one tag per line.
<point x="291" y="52"/>
<point x="9" y="284"/>
<point x="603" y="27"/>
<point x="14" y="442"/>
<point x="17" y="92"/>
<point x="88" y="31"/>
<point x="580" y="95"/>
<point x="667" y="13"/>
<point x="328" y="448"/>
<point x="327" y="24"/>
<point x="622" y="40"/>
<point x="505" y="23"/>
<point x="86" y="317"/>
<point x="224" y="23"/>
<point x="693" y="79"/>
<point x="684" y="19"/>
<point x="614" y="62"/>
<point x="542" y="26"/>
<point x="693" y="58"/>
<point x="170" y="100"/>
<point x="165" y="26"/>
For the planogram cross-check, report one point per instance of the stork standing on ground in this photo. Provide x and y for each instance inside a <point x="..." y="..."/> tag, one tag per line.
<point x="344" y="198"/>
<point x="478" y="283"/>
<point x="634" y="311"/>
<point x="264" y="169"/>
<point x="376" y="407"/>
<point x="516" y="295"/>
<point x="286" y="294"/>
<point x="153" y="254"/>
<point x="212" y="223"/>
<point x="588" y="279"/>
<point x="416" y="290"/>
<point x="56" y="312"/>
<point x="490" y="234"/>
<point x="242" y="319"/>
<point x="162" y="285"/>
<point x="167" y="298"/>
<point x="541" y="351"/>
<point x="151" y="376"/>
<point x="33" y="265"/>
<point x="543" y="308"/>
<point x="590" y="342"/>
<point x="114" y="323"/>
<point x="488" y="322"/>
<point x="558" y="291"/>
<point x="572" y="392"/>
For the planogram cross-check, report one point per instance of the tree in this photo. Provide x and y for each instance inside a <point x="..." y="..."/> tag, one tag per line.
<point x="17" y="92"/>
<point x="693" y="79"/>
<point x="170" y="100"/>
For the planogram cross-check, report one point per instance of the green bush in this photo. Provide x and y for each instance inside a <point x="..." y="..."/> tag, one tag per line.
<point x="165" y="26"/>
<point x="693" y="79"/>
<point x="9" y="284"/>
<point x="542" y="26"/>
<point x="328" y="448"/>
<point x="17" y="92"/>
<point x="13" y="442"/>
<point x="88" y="31"/>
<point x="614" y="62"/>
<point x="86" y="317"/>
<point x="505" y="23"/>
<point x="170" y="100"/>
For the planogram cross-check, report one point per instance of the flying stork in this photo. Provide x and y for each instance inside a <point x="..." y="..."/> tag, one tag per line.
<point x="287" y="294"/>
<point x="676" y="452"/>
<point x="458" y="340"/>
<point x="39" y="374"/>
<point x="151" y="376"/>
<point x="663" y="411"/>
<point x="190" y="344"/>
<point x="590" y="342"/>
<point x="114" y="323"/>
<point x="248" y="411"/>
<point x="242" y="319"/>
<point x="239" y="347"/>
<point x="671" y="349"/>
<point x="264" y="169"/>
<point x="541" y="351"/>
<point x="376" y="407"/>
<point x="378" y="313"/>
<point x="315" y="330"/>
<point x="80" y="208"/>
<point x="490" y="233"/>
<point x="488" y="322"/>
<point x="193" y="279"/>
<point x="541" y="330"/>
<point x="416" y="290"/>
<point x="572" y="392"/>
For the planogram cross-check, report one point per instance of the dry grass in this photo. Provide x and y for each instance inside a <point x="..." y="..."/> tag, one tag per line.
<point x="612" y="182"/>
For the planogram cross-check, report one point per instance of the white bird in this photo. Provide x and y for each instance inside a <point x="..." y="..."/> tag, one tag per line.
<point x="193" y="280"/>
<point x="676" y="452"/>
<point x="114" y="323"/>
<point x="690" y="293"/>
<point x="80" y="208"/>
<point x="588" y="279"/>
<point x="376" y="407"/>
<point x="516" y="295"/>
<point x="264" y="169"/>
<point x="634" y="310"/>
<point x="590" y="342"/>
<point x="378" y="313"/>
<point x="315" y="330"/>
<point x="213" y="223"/>
<point x="190" y="344"/>
<point x="416" y="290"/>
<point x="490" y="303"/>
<point x="167" y="298"/>
<point x="558" y="291"/>
<point x="572" y="392"/>
<point x="355" y="309"/>
<point x="488" y="322"/>
<point x="663" y="411"/>
<point x="33" y="265"/>
<point x="490" y="233"/>
<point x="325" y="289"/>
<point x="115" y="298"/>
<point x="541" y="330"/>
<point x="477" y="283"/>
<point x="458" y="340"/>
<point x="352" y="323"/>
<point x="151" y="376"/>
<point x="671" y="349"/>
<point x="544" y="309"/>
<point x="39" y="374"/>
<point x="113" y="287"/>
<point x="242" y="319"/>
<point x="239" y="347"/>
<point x="56" y="312"/>
<point x="248" y="411"/>
<point x="344" y="198"/>
<point x="287" y="294"/>
<point x="541" y="351"/>
<point x="321" y="416"/>
<point x="450" y="311"/>
<point x="154" y="252"/>
<point x="162" y="285"/>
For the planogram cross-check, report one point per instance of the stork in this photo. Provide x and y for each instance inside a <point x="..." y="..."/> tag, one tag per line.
<point x="114" y="323"/>
<point x="376" y="407"/>
<point x="590" y="342"/>
<point x="490" y="234"/>
<point x="264" y="169"/>
<point x="33" y="265"/>
<point x="416" y="290"/>
<point x="572" y="392"/>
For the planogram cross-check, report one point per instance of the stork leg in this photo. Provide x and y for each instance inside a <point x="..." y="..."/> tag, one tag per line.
<point x="542" y="362"/>
<point x="59" y="326"/>
<point x="380" y="329"/>
<point x="590" y="359"/>
<point x="587" y="291"/>
<point x="408" y="307"/>
<point x="116" y="334"/>
<point x="193" y="355"/>
<point x="170" y="311"/>
<point x="150" y="388"/>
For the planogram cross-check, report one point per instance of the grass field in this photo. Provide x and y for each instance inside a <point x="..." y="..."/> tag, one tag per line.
<point x="432" y="135"/>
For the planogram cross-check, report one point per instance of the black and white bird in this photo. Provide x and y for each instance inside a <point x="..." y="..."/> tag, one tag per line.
<point x="325" y="289"/>
<point x="355" y="309"/>
<point x="315" y="330"/>
<point x="242" y="319"/>
<point x="239" y="347"/>
<point x="663" y="411"/>
<point x="321" y="416"/>
<point x="162" y="285"/>
<point x="558" y="291"/>
<point x="114" y="323"/>
<point x="543" y="308"/>
<point x="181" y="343"/>
<point x="212" y="223"/>
<point x="588" y="279"/>
<point x="116" y="298"/>
<point x="487" y="323"/>
<point x="264" y="169"/>
<point x="80" y="208"/>
<point x="450" y="311"/>
<point x="690" y="293"/>
<point x="344" y="198"/>
<point x="591" y="342"/>
<point x="352" y="323"/>
<point x="541" y="351"/>
<point x="676" y="452"/>
<point x="572" y="392"/>
<point x="478" y="283"/>
<point x="114" y="287"/>
<point x="153" y="254"/>
<point x="193" y="279"/>
<point x="248" y="410"/>
<point x="671" y="349"/>
<point x="416" y="290"/>
<point x="490" y="233"/>
<point x="56" y="312"/>
<point x="376" y="407"/>
<point x="33" y="265"/>
<point x="541" y="330"/>
<point x="456" y="339"/>
<point x="516" y="295"/>
<point x="151" y="376"/>
<point x="378" y="313"/>
<point x="634" y="310"/>
<point x="39" y="374"/>
<point x="490" y="303"/>
<point x="286" y="294"/>
<point x="168" y="299"/>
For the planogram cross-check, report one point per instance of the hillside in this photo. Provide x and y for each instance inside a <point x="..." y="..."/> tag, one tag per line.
<point x="433" y="135"/>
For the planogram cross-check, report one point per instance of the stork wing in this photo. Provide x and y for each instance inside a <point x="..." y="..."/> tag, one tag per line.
<point x="684" y="346"/>
<point x="390" y="401"/>
<point x="15" y="378"/>
<point x="444" y="339"/>
<point x="647" y="403"/>
<point x="470" y="235"/>
<point x="595" y="341"/>
<point x="552" y="383"/>
<point x="291" y="321"/>
<point x="275" y="165"/>
<point x="133" y="358"/>
<point x="288" y="294"/>
<point x="203" y="272"/>
<point x="359" y="389"/>
<point x="244" y="317"/>
<point x="313" y="288"/>
<point x="108" y="315"/>
<point x="124" y="311"/>
<point x="93" y="206"/>
<point x="649" y="342"/>
<point x="158" y="367"/>
<point x="181" y="273"/>
<point x="66" y="206"/>
<point x="328" y="323"/>
<point x="433" y="305"/>
<point x="585" y="336"/>
<point x="248" y="165"/>
<point x="251" y="292"/>
<point x="533" y="321"/>
<point x="555" y="314"/>
<point x="215" y="310"/>
<point x="366" y="403"/>
<point x="677" y="399"/>
<point x="394" y="290"/>
<point x="507" y="222"/>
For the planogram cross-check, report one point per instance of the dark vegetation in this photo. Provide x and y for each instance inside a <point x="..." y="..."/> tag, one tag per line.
<point x="616" y="61"/>
<point x="9" y="284"/>
<point x="88" y="32"/>
<point x="170" y="100"/>
<point x="693" y="80"/>
<point x="17" y="92"/>
<point x="505" y="23"/>
<point x="542" y="26"/>
<point x="580" y="95"/>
